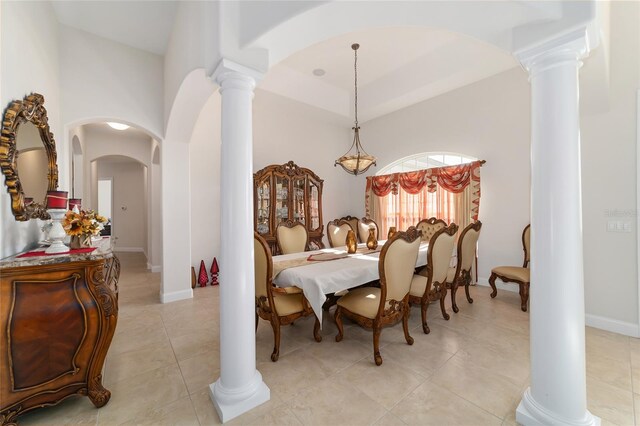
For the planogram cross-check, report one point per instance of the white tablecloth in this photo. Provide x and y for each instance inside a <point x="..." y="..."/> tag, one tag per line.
<point x="321" y="278"/>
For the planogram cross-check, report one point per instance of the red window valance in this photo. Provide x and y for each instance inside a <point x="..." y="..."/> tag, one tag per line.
<point x="452" y="178"/>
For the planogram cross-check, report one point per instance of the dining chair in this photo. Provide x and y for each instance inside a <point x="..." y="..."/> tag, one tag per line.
<point x="337" y="232"/>
<point x="430" y="226"/>
<point x="354" y="222"/>
<point x="278" y="305"/>
<point x="363" y="229"/>
<point x="430" y="285"/>
<point x="292" y="237"/>
<point x="515" y="274"/>
<point x="377" y="307"/>
<point x="466" y="256"/>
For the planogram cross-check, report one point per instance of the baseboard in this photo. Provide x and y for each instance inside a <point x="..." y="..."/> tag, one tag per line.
<point x="129" y="249"/>
<point x="615" y="326"/>
<point x="154" y="268"/>
<point x="515" y="288"/>
<point x="174" y="296"/>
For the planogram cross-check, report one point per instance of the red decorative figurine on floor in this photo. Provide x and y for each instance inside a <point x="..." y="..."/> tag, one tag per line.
<point x="214" y="272"/>
<point x="202" y="276"/>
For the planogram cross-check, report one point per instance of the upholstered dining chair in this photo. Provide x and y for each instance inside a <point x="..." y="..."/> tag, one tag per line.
<point x="430" y="226"/>
<point x="430" y="285"/>
<point x="363" y="229"/>
<point x="377" y="307"/>
<point x="515" y="274"/>
<point x="466" y="255"/>
<point x="278" y="305"/>
<point x="354" y="222"/>
<point x="337" y="232"/>
<point x="292" y="237"/>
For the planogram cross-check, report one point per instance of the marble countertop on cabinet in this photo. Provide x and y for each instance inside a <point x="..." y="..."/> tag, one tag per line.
<point x="104" y="250"/>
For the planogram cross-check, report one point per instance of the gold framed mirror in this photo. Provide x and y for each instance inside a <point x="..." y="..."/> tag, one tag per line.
<point x="28" y="157"/>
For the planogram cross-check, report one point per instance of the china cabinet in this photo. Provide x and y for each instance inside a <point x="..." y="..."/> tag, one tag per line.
<point x="287" y="192"/>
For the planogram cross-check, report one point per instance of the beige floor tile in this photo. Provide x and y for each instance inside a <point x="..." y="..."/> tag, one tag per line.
<point x="128" y="364"/>
<point x="478" y="385"/>
<point x="177" y="413"/>
<point x="430" y="404"/>
<point x="386" y="384"/>
<point x="147" y="392"/>
<point x="607" y="344"/>
<point x="443" y="337"/>
<point x="390" y="419"/>
<point x="128" y="340"/>
<point x="200" y="371"/>
<point x="73" y="411"/>
<point x="611" y="371"/>
<point x="609" y="402"/>
<point x="331" y="356"/>
<point x="205" y="410"/>
<point x="195" y="343"/>
<point x="335" y="401"/>
<point x="423" y="357"/>
<point x="513" y="367"/>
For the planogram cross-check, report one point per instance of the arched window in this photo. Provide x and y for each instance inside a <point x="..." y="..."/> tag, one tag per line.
<point x="425" y="160"/>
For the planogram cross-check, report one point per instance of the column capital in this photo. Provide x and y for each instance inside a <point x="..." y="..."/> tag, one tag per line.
<point x="568" y="48"/>
<point x="228" y="71"/>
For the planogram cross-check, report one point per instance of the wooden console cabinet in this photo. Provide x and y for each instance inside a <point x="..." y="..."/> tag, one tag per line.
<point x="58" y="315"/>
<point x="284" y="192"/>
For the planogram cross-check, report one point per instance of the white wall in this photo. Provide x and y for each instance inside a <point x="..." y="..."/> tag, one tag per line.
<point x="128" y="209"/>
<point x="609" y="180"/>
<point x="28" y="64"/>
<point x="104" y="79"/>
<point x="488" y="120"/>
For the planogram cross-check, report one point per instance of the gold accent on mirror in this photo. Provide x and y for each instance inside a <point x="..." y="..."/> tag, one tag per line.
<point x="30" y="110"/>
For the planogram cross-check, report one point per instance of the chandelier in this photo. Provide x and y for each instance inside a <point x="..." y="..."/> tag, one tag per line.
<point x="358" y="161"/>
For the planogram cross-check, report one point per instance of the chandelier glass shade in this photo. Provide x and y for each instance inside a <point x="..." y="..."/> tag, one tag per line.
<point x="356" y="160"/>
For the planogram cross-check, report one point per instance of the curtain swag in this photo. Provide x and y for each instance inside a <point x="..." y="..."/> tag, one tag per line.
<point x="453" y="179"/>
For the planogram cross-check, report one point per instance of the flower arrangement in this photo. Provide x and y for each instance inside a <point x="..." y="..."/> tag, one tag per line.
<point x="85" y="223"/>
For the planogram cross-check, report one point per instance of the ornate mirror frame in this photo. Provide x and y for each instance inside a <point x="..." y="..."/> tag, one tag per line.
<point x="30" y="109"/>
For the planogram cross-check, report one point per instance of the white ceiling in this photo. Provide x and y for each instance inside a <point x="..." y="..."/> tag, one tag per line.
<point x="145" y="25"/>
<point x="397" y="66"/>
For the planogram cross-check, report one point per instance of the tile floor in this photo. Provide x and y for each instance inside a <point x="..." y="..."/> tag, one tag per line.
<point x="470" y="370"/>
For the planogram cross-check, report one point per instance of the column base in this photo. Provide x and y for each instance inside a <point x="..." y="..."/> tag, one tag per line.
<point x="530" y="413"/>
<point x="231" y="403"/>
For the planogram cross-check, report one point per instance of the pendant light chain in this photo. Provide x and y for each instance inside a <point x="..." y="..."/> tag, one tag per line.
<point x="355" y="68"/>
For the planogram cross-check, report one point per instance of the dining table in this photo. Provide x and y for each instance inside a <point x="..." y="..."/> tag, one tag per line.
<point x="331" y="270"/>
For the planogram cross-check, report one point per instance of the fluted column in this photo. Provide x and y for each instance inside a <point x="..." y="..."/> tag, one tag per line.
<point x="240" y="386"/>
<point x="557" y="394"/>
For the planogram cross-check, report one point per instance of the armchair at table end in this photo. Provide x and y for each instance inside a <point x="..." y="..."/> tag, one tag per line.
<point x="466" y="255"/>
<point x="363" y="229"/>
<point x="292" y="237"/>
<point x="515" y="274"/>
<point x="430" y="284"/>
<point x="337" y="232"/>
<point x="374" y="308"/>
<point x="279" y="306"/>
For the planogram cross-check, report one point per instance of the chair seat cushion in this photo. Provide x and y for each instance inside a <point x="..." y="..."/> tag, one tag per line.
<point x="287" y="304"/>
<point x="418" y="285"/>
<point x="363" y="301"/>
<point x="512" y="273"/>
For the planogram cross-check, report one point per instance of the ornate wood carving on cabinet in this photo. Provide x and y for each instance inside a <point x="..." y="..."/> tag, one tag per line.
<point x="57" y="322"/>
<point x="287" y="192"/>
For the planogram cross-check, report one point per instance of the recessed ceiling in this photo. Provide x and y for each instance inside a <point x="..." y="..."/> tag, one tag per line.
<point x="145" y="25"/>
<point x="397" y="67"/>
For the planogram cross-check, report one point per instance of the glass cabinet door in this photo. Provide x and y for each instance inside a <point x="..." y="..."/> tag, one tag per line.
<point x="263" y="217"/>
<point x="282" y="199"/>
<point x="299" y="209"/>
<point x="314" y="206"/>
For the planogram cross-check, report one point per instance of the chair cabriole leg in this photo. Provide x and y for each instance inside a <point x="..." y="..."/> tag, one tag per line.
<point x="492" y="283"/>
<point x="376" y="344"/>
<point x="275" y="323"/>
<point x="467" y="283"/>
<point x="405" y="325"/>
<point x="338" y="319"/>
<point x="316" y="330"/>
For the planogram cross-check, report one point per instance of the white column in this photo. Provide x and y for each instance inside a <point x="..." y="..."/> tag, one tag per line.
<point x="240" y="386"/>
<point x="557" y="394"/>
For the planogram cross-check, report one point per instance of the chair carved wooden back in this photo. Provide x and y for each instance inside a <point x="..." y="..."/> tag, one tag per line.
<point x="430" y="226"/>
<point x="292" y="237"/>
<point x="337" y="232"/>
<point x="363" y="229"/>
